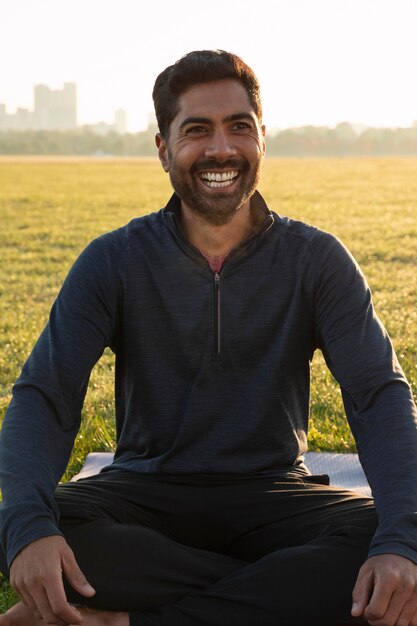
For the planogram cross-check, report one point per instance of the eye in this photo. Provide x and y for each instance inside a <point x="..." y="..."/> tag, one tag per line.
<point x="196" y="130"/>
<point x="241" y="126"/>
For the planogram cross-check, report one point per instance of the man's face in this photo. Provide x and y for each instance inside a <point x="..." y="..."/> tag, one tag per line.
<point x="215" y="149"/>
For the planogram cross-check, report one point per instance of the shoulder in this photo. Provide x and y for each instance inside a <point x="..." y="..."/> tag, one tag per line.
<point x="305" y="233"/>
<point x="313" y="241"/>
<point x="110" y="248"/>
<point x="320" y="256"/>
<point x="108" y="256"/>
<point x="138" y="229"/>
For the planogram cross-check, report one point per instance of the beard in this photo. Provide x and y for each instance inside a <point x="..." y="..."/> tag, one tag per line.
<point x="216" y="208"/>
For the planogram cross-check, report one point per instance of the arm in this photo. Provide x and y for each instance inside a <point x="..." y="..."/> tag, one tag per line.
<point x="383" y="418"/>
<point x="376" y="395"/>
<point x="44" y="416"/>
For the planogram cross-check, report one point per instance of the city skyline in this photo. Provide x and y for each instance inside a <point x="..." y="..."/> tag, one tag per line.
<point x="23" y="119"/>
<point x="319" y="63"/>
<point x="55" y="109"/>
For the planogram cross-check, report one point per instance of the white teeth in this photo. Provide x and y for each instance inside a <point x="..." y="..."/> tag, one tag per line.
<point x="219" y="176"/>
<point x="214" y="183"/>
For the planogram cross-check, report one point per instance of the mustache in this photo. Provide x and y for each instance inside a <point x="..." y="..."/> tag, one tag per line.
<point x="213" y="164"/>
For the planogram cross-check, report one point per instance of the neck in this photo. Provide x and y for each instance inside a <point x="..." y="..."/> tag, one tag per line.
<point x="218" y="240"/>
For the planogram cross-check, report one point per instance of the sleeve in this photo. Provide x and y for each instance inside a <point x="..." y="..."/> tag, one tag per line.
<point x="44" y="415"/>
<point x="376" y="395"/>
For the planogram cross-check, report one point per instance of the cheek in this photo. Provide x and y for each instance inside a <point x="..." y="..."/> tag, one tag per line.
<point x="185" y="156"/>
<point x="251" y="145"/>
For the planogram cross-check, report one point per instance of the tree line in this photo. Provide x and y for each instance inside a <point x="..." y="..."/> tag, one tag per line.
<point x="293" y="142"/>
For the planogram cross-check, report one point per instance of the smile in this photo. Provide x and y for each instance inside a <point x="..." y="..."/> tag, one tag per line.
<point x="219" y="179"/>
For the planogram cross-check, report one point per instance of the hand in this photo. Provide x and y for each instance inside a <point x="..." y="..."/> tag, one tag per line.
<point x="36" y="575"/>
<point x="385" y="593"/>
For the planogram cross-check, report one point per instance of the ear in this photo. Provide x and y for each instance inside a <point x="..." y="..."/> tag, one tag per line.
<point x="162" y="151"/>
<point x="263" y="129"/>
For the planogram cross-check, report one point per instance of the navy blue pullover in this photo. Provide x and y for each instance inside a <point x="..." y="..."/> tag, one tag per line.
<point x="212" y="370"/>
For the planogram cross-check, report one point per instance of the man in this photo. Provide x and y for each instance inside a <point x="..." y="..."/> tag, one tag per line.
<point x="214" y="307"/>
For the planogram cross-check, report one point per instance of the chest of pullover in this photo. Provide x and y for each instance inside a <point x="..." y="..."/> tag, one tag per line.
<point x="224" y="358"/>
<point x="212" y="371"/>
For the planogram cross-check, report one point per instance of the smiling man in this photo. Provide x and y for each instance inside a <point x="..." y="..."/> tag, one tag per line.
<point x="214" y="307"/>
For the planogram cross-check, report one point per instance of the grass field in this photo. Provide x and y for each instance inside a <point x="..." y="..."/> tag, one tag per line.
<point x="50" y="209"/>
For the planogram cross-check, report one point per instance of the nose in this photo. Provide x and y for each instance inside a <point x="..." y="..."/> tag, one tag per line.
<point x="220" y="145"/>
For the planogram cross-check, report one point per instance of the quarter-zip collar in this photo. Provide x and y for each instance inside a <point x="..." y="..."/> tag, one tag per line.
<point x="171" y="217"/>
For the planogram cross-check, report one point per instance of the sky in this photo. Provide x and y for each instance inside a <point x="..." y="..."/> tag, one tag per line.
<point x="319" y="62"/>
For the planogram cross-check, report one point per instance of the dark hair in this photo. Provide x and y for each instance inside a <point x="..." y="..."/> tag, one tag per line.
<point x="200" y="66"/>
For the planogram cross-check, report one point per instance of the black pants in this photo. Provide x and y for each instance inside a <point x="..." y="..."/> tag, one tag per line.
<point x="217" y="551"/>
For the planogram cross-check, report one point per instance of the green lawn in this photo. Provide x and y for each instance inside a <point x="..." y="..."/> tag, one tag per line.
<point x="50" y="209"/>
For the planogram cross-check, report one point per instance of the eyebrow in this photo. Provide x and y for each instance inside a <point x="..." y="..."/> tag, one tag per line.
<point x="207" y="120"/>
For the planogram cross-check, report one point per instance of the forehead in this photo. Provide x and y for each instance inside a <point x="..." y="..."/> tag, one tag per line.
<point x="215" y="100"/>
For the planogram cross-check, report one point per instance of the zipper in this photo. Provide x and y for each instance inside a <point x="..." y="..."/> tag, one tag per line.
<point x="217" y="316"/>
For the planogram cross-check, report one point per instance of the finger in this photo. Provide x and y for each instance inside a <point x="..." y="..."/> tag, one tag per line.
<point x="362" y="592"/>
<point x="75" y="576"/>
<point x="408" y="616"/>
<point x="382" y="597"/>
<point x="27" y="599"/>
<point x="29" y="602"/>
<point x="59" y="605"/>
<point x="47" y="600"/>
<point x="45" y="610"/>
<point x="413" y="622"/>
<point x="394" y="609"/>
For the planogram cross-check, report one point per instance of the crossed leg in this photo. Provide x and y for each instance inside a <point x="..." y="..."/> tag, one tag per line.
<point x="297" y="570"/>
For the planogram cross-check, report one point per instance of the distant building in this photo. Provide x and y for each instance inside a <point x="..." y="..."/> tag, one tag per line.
<point x="3" y="117"/>
<point x="55" y="109"/>
<point x="103" y="128"/>
<point x="120" y="121"/>
<point x="21" y="120"/>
